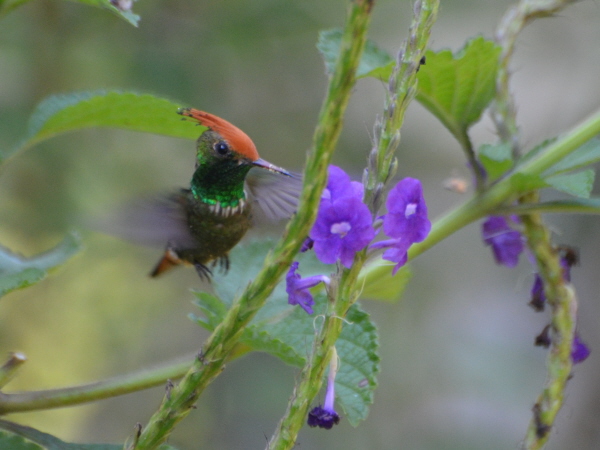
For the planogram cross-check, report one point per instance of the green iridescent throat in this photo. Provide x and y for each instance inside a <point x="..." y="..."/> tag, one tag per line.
<point x="220" y="182"/>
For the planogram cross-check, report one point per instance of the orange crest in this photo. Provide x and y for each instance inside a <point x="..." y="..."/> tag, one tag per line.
<point x="239" y="141"/>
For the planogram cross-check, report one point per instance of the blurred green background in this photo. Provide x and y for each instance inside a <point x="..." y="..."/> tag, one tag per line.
<point x="459" y="369"/>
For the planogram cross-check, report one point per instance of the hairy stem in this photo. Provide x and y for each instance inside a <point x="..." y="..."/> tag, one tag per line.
<point x="343" y="289"/>
<point x="561" y="299"/>
<point x="402" y="88"/>
<point x="516" y="18"/>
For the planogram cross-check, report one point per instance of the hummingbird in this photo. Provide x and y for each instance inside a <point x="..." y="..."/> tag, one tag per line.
<point x="231" y="190"/>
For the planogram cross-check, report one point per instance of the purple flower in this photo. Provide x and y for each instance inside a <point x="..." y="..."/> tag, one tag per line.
<point x="406" y="221"/>
<point x="344" y="224"/>
<point x="579" y="351"/>
<point x="297" y="288"/>
<point x="325" y="416"/>
<point x="506" y="242"/>
<point x="407" y="212"/>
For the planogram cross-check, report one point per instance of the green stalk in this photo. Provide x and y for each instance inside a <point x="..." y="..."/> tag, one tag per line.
<point x="10" y="367"/>
<point x="344" y="289"/>
<point x="562" y="299"/>
<point x="181" y="398"/>
<point x="75" y="395"/>
<point x="402" y="88"/>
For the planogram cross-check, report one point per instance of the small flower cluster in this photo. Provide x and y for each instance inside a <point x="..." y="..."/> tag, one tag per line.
<point x="507" y="245"/>
<point x="344" y="226"/>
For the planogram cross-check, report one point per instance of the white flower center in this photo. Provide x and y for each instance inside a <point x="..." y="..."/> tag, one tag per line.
<point x="411" y="208"/>
<point x="341" y="228"/>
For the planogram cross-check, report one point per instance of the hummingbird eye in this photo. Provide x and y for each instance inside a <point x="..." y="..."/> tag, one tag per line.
<point x="221" y="148"/>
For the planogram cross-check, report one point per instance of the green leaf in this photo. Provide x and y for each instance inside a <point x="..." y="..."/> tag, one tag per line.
<point x="579" y="184"/>
<point x="213" y="308"/>
<point x="457" y="88"/>
<point x="373" y="63"/>
<point x="496" y="159"/>
<point x="18" y="437"/>
<point x="137" y="112"/>
<point x="129" y="16"/>
<point x="380" y="284"/>
<point x="358" y="349"/>
<point x="287" y="332"/>
<point x="586" y="155"/>
<point x="18" y="272"/>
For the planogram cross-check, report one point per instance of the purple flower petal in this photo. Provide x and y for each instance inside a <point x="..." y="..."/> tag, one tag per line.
<point x="339" y="185"/>
<point x="579" y="351"/>
<point x="506" y="243"/>
<point x="397" y="251"/>
<point x="297" y="288"/>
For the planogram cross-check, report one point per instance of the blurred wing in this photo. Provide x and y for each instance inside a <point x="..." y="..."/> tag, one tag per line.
<point x="273" y="195"/>
<point x="151" y="221"/>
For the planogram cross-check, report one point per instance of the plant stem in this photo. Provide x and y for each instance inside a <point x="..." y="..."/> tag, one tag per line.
<point x="561" y="298"/>
<point x="516" y="18"/>
<point x="343" y="290"/>
<point x="74" y="395"/>
<point x="577" y="206"/>
<point x="10" y="367"/>
<point x="402" y="88"/>
<point x="179" y="401"/>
